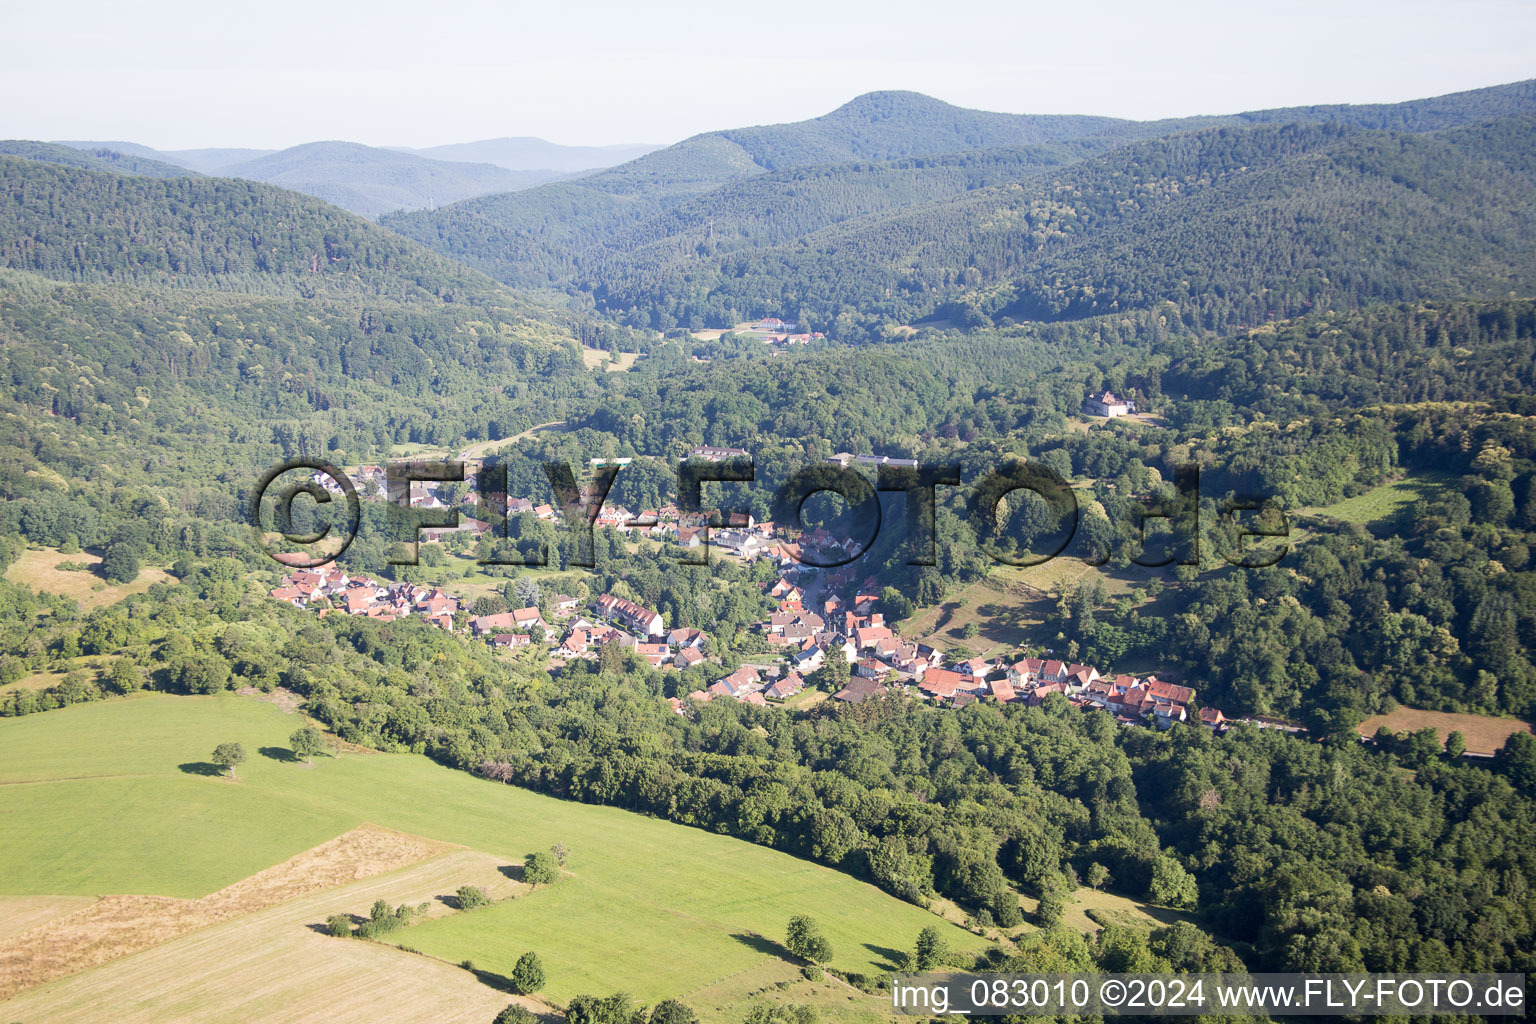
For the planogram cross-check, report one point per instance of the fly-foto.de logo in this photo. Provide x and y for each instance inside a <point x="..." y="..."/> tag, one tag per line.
<point x="1021" y="513"/>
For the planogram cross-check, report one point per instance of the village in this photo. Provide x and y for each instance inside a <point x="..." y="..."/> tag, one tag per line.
<point x="820" y="617"/>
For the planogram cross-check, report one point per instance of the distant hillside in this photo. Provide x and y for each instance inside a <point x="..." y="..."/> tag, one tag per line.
<point x="364" y="179"/>
<point x="83" y="225"/>
<point x="212" y="161"/>
<point x="92" y="158"/>
<point x="372" y="181"/>
<point x="208" y="161"/>
<point x="530" y="154"/>
<point x="690" y="202"/>
<point x="526" y="238"/>
<point x="1426" y="115"/>
<point x="1233" y="226"/>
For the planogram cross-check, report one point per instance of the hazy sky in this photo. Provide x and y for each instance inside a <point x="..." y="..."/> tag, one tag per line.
<point x="181" y="74"/>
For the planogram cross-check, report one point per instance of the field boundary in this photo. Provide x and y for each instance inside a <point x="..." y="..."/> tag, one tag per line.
<point x="119" y="926"/>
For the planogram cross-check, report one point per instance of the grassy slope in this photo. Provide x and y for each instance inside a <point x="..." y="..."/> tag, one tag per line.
<point x="650" y="907"/>
<point x="38" y="568"/>
<point x="1385" y="501"/>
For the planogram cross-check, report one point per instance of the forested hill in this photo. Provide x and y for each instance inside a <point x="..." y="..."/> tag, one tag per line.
<point x="556" y="234"/>
<point x="1426" y="115"/>
<point x="210" y="233"/>
<point x="1234" y="226"/>
<point x="521" y="238"/>
<point x="93" y="158"/>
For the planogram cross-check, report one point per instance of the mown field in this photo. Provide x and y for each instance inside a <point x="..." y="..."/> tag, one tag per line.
<point x="1484" y="733"/>
<point x="117" y="797"/>
<point x="39" y="569"/>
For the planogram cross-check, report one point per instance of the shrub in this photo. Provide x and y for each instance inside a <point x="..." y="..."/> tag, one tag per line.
<point x="338" y="925"/>
<point x="515" y="1014"/>
<point x="471" y="897"/>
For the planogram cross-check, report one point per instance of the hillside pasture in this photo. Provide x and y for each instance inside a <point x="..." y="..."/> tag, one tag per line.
<point x="38" y="568"/>
<point x="274" y="966"/>
<point x="646" y="906"/>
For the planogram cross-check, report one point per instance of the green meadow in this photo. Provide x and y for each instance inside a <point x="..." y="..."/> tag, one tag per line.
<point x="117" y="797"/>
<point x="1382" y="502"/>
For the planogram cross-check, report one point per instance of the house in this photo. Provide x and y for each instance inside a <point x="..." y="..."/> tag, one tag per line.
<point x="711" y="453"/>
<point x="1212" y="718"/>
<point x="501" y="622"/>
<point x="1174" y="694"/>
<point x="858" y="690"/>
<point x="1079" y="676"/>
<point x="1108" y="405"/>
<point x="870" y="635"/>
<point x="526" y="618"/>
<point x="743" y="680"/>
<point x="809" y="660"/>
<point x="655" y="655"/>
<point x="359" y="600"/>
<point x="791" y="684"/>
<point x="1003" y="692"/>
<point x="869" y="668"/>
<point x="636" y="617"/>
<point x="688" y="657"/>
<point x="941" y="683"/>
<point x="1038" y="694"/>
<point x="293" y="595"/>
<point x="686" y="637"/>
<point x="507" y="640"/>
<point x="1022" y="673"/>
<point x="564" y="605"/>
<point x="846" y="459"/>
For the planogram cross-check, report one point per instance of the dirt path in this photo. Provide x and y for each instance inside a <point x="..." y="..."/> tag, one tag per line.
<point x="474" y="451"/>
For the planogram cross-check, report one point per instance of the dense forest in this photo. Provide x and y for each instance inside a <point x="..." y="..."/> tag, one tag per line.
<point x="86" y="225"/>
<point x="777" y="221"/>
<point x="1235" y="227"/>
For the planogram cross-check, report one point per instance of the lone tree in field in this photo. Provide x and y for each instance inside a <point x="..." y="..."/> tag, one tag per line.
<point x="541" y="869"/>
<point x="930" y="950"/>
<point x="806" y="941"/>
<point x="121" y="563"/>
<point x="307" y="741"/>
<point x="561" y="851"/>
<point x="227" y="755"/>
<point x="528" y="975"/>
